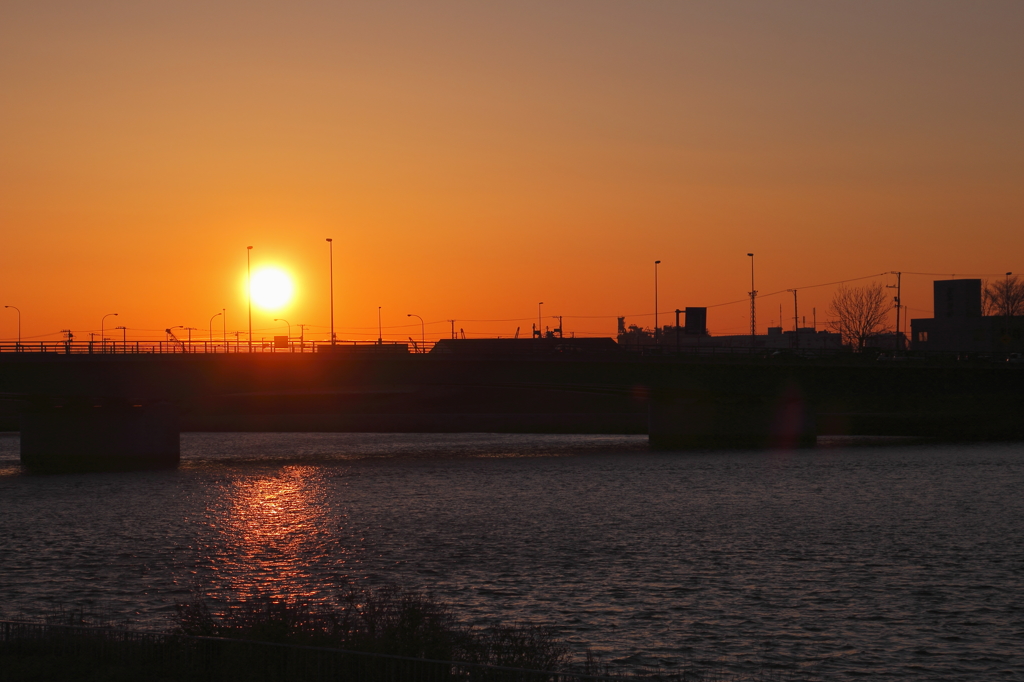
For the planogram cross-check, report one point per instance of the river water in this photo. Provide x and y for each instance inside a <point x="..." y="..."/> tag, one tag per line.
<point x="889" y="561"/>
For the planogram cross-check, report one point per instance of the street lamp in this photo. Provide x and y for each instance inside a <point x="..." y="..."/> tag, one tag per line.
<point x="753" y="297"/>
<point x="330" y="244"/>
<point x="281" y="319"/>
<point x="103" y="339"/>
<point x="170" y="334"/>
<point x="248" y="270"/>
<point x="19" y="321"/>
<point x="423" y="332"/>
<point x="211" y="324"/>
<point x="656" y="330"/>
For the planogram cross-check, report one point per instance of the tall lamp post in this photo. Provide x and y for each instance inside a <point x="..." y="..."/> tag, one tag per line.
<point x="423" y="332"/>
<point x="330" y="244"/>
<point x="248" y="272"/>
<point x="753" y="298"/>
<point x="657" y="332"/>
<point x="170" y="335"/>
<point x="103" y="339"/>
<point x="281" y="319"/>
<point x="211" y="324"/>
<point x="19" y="321"/>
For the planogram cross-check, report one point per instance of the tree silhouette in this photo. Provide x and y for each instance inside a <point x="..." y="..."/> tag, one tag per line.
<point x="1003" y="297"/>
<point x="859" y="313"/>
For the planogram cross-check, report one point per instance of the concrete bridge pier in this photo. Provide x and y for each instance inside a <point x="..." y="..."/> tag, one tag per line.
<point x="105" y="437"/>
<point x="707" y="419"/>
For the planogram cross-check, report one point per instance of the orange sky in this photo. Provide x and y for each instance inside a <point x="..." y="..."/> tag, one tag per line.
<point x="472" y="159"/>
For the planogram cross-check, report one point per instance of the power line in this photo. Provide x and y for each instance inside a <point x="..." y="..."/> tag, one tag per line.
<point x="954" y="275"/>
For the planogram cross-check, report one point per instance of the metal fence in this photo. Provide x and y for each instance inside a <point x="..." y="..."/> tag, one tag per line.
<point x="181" y="657"/>
<point x="219" y="347"/>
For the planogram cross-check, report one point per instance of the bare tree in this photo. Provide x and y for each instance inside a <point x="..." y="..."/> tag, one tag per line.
<point x="1003" y="297"/>
<point x="859" y="312"/>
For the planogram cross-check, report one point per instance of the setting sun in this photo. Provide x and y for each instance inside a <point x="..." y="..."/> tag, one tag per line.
<point x="271" y="288"/>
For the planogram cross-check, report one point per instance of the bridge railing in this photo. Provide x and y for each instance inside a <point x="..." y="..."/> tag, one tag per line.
<point x="218" y="347"/>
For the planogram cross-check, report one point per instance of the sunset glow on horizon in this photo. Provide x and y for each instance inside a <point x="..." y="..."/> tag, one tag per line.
<point x="470" y="160"/>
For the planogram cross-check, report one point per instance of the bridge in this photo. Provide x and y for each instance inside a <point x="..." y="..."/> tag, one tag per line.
<point x="125" y="409"/>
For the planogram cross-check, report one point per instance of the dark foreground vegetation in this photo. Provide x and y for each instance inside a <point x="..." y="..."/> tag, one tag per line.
<point x="368" y="636"/>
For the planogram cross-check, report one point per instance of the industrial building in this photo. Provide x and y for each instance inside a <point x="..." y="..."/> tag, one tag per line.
<point x="958" y="325"/>
<point x="693" y="336"/>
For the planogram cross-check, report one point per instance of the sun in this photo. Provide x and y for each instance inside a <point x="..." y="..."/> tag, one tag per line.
<point x="271" y="288"/>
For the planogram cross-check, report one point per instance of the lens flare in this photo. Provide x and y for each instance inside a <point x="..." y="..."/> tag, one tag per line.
<point x="271" y="288"/>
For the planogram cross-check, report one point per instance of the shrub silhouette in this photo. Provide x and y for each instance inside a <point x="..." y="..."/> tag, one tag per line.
<point x="384" y="620"/>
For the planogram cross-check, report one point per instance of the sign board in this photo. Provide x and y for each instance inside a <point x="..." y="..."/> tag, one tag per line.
<point x="280" y="342"/>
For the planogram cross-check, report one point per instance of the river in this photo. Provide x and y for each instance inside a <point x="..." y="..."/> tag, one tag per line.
<point x="885" y="560"/>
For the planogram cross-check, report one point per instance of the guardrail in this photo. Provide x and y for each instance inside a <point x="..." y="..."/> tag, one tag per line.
<point x="219" y="347"/>
<point x="184" y="657"/>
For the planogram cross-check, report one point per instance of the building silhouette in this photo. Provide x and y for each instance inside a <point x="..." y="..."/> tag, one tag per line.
<point x="958" y="325"/>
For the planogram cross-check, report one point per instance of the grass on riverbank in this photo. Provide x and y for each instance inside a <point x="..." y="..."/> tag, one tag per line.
<point x="384" y="621"/>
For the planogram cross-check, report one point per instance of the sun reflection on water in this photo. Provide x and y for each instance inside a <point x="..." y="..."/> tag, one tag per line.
<point x="276" y="538"/>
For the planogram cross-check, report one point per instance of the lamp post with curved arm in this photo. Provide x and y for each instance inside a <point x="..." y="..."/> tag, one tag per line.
<point x="103" y="339"/>
<point x="170" y="335"/>
<point x="423" y="332"/>
<point x="19" y="321"/>
<point x="281" y="319"/>
<point x="248" y="288"/>
<point x="330" y="246"/>
<point x="211" y="325"/>
<point x="657" y="331"/>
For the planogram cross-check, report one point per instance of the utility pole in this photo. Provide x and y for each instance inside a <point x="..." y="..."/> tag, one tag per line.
<point x="898" y="345"/>
<point x="453" y="328"/>
<point x="796" y="321"/>
<point x="1006" y="300"/>
<point x="657" y="332"/>
<point x="677" y="329"/>
<point x="753" y="297"/>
